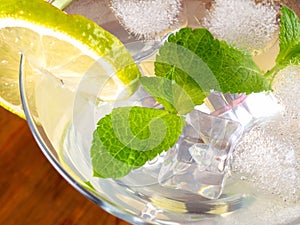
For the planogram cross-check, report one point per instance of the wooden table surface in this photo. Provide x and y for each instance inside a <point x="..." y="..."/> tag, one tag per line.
<point x="31" y="190"/>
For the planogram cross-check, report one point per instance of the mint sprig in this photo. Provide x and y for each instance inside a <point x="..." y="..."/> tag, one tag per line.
<point x="129" y="137"/>
<point x="230" y="69"/>
<point x="289" y="37"/>
<point x="289" y="42"/>
<point x="189" y="65"/>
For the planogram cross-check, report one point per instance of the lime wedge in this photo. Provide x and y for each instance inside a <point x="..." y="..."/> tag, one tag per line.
<point x="59" y="45"/>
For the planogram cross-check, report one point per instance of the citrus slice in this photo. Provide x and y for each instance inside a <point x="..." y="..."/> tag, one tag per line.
<point x="59" y="45"/>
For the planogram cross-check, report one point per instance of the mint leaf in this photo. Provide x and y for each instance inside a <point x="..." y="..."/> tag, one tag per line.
<point x="198" y="62"/>
<point x="289" y="38"/>
<point x="172" y="96"/>
<point x="130" y="136"/>
<point x="289" y="43"/>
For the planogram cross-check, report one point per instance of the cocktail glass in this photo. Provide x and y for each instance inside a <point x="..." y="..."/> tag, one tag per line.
<point x="172" y="188"/>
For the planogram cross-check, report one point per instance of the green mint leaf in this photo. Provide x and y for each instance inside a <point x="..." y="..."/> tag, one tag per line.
<point x="289" y="38"/>
<point x="130" y="136"/>
<point x="172" y="96"/>
<point x="198" y="63"/>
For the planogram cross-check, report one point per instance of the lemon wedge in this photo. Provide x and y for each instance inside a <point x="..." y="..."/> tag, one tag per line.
<point x="61" y="46"/>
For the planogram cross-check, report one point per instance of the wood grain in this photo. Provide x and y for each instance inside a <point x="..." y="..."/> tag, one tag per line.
<point x="31" y="190"/>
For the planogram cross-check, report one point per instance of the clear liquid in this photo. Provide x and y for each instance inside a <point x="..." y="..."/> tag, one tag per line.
<point x="242" y="201"/>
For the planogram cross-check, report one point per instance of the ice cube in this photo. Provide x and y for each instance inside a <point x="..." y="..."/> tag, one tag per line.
<point x="244" y="23"/>
<point x="286" y="89"/>
<point x="202" y="155"/>
<point x="199" y="161"/>
<point x="246" y="109"/>
<point x="269" y="155"/>
<point x="147" y="19"/>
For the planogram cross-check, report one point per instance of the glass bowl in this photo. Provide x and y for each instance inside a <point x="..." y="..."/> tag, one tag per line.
<point x="195" y="182"/>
